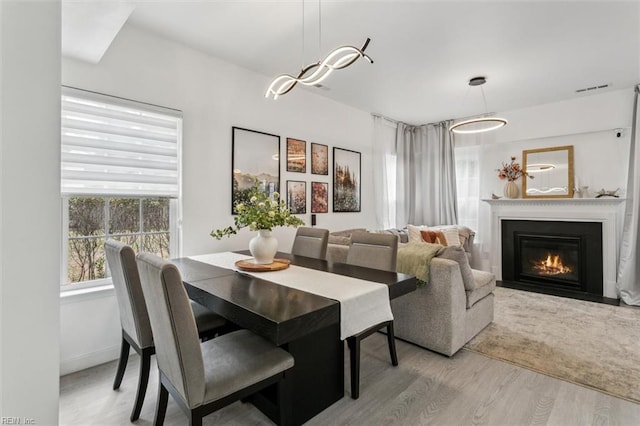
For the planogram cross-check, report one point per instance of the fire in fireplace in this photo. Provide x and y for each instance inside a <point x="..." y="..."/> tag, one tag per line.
<point x="551" y="265"/>
<point x="565" y="256"/>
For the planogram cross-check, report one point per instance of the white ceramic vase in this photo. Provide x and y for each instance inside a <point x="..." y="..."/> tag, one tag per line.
<point x="511" y="189"/>
<point x="263" y="247"/>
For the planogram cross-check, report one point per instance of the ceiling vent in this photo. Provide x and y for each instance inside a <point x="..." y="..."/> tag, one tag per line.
<point x="592" y="88"/>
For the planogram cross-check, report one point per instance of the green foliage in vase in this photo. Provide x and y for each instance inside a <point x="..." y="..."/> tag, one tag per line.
<point x="261" y="212"/>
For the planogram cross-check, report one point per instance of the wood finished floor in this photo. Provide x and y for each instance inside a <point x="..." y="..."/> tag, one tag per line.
<point x="425" y="389"/>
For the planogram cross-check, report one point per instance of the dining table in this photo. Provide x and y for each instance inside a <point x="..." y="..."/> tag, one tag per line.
<point x="305" y="324"/>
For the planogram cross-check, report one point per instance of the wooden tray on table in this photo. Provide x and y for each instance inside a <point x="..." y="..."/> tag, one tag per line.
<point x="249" y="266"/>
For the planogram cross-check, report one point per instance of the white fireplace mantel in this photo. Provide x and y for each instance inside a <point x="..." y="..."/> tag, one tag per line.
<point x="608" y="211"/>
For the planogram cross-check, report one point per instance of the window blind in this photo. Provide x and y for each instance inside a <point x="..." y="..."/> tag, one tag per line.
<point x="112" y="146"/>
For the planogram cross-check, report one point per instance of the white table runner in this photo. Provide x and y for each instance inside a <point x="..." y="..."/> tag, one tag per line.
<point x="363" y="304"/>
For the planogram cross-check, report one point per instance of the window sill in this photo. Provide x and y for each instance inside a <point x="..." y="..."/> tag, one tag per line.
<point x="89" y="293"/>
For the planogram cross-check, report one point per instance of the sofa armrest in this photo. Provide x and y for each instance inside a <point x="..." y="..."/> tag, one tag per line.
<point x="433" y="316"/>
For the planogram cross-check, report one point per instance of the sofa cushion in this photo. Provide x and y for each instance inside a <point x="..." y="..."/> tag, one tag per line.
<point x="339" y="239"/>
<point x="347" y="232"/>
<point x="458" y="254"/>
<point x="403" y="236"/>
<point x="485" y="284"/>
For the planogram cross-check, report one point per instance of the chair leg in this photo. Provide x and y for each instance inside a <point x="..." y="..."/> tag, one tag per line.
<point x="195" y="419"/>
<point x="284" y="400"/>
<point x="354" y="346"/>
<point x="161" y="408"/>
<point x="145" y="365"/>
<point x="391" y="339"/>
<point x="122" y="364"/>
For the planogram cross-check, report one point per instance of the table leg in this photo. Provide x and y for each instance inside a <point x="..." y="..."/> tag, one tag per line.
<point x="318" y="376"/>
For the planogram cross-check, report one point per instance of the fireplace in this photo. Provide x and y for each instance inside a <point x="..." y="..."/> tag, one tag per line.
<point x="557" y="257"/>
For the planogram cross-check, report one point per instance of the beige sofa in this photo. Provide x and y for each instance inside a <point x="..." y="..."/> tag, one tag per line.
<point x="454" y="305"/>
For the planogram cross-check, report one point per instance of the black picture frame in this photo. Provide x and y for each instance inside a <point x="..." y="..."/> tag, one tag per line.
<point x="347" y="165"/>
<point x="297" y="196"/>
<point x="319" y="159"/>
<point x="255" y="160"/>
<point x="319" y="197"/>
<point x="296" y="155"/>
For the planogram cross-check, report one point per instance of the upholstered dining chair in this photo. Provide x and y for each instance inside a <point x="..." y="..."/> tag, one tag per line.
<point x="204" y="378"/>
<point x="310" y="242"/>
<point x="377" y="251"/>
<point x="134" y="319"/>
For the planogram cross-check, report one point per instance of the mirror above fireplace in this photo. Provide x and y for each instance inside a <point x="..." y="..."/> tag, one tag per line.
<point x="552" y="171"/>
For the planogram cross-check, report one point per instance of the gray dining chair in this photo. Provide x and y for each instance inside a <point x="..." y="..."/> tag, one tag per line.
<point x="376" y="251"/>
<point x="204" y="378"/>
<point x="134" y="319"/>
<point x="310" y="242"/>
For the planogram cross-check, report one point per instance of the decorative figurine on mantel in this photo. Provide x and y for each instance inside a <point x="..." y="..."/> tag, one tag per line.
<point x="605" y="193"/>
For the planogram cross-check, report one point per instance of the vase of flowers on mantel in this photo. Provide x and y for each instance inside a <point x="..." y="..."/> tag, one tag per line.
<point x="512" y="172"/>
<point x="261" y="213"/>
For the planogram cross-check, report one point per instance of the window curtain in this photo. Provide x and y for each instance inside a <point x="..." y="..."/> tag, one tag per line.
<point x="629" y="267"/>
<point x="425" y="175"/>
<point x="384" y="171"/>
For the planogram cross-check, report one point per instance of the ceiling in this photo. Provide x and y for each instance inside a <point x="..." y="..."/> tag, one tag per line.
<point x="424" y="52"/>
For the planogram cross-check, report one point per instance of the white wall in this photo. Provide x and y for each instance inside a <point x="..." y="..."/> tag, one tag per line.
<point x="586" y="122"/>
<point x="214" y="96"/>
<point x="29" y="210"/>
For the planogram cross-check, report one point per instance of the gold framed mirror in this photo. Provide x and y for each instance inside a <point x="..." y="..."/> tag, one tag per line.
<point x="552" y="171"/>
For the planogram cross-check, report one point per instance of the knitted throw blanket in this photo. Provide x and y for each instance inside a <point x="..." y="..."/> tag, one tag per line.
<point x="415" y="258"/>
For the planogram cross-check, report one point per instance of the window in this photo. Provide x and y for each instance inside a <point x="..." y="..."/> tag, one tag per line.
<point x="120" y="179"/>
<point x="468" y="185"/>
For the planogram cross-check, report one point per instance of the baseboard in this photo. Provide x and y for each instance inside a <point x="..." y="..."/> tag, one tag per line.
<point x="560" y="293"/>
<point x="82" y="362"/>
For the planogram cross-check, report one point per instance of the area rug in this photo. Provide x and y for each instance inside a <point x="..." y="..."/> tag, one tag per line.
<point x="586" y="343"/>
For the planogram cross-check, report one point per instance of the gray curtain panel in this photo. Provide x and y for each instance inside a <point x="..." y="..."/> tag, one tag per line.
<point x="426" y="175"/>
<point x="629" y="267"/>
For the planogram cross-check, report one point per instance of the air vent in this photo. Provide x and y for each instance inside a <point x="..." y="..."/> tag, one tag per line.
<point x="592" y="88"/>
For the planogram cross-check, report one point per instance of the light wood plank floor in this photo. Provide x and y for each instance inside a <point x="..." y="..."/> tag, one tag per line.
<point x="426" y="389"/>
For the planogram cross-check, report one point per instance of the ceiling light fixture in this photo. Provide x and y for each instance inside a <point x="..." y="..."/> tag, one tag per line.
<point x="478" y="124"/>
<point x="311" y="75"/>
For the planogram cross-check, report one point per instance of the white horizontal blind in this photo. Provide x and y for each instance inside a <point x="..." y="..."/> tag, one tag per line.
<point x="112" y="146"/>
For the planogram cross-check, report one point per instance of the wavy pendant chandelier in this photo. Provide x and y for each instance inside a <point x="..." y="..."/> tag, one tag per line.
<point x="311" y="75"/>
<point x="478" y="124"/>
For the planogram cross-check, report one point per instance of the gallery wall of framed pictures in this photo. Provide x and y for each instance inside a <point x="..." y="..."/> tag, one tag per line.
<point x="256" y="159"/>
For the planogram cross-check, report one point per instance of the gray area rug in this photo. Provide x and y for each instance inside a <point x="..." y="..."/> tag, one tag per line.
<point x="587" y="343"/>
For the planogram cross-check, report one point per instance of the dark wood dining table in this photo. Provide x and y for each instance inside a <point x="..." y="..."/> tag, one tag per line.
<point x="304" y="324"/>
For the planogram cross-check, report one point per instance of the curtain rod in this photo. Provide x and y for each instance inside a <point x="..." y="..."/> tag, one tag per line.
<point x="408" y="124"/>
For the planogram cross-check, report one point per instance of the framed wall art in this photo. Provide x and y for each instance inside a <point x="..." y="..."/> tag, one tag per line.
<point x="255" y="162"/>
<point x="297" y="196"/>
<point x="346" y="180"/>
<point x="296" y="155"/>
<point x="319" y="197"/>
<point x="319" y="159"/>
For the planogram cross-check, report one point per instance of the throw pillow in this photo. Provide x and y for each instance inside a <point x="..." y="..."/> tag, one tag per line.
<point x="452" y="236"/>
<point x="457" y="254"/>
<point x="433" y="237"/>
<point x="414" y="233"/>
